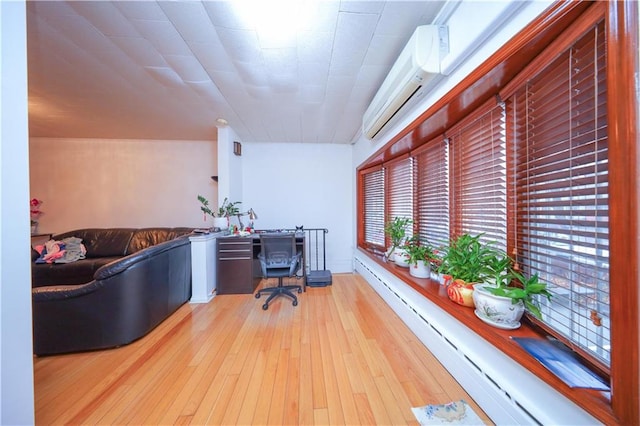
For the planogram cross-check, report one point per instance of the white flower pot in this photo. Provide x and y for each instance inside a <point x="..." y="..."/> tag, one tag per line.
<point x="497" y="311"/>
<point x="436" y="276"/>
<point x="389" y="254"/>
<point x="221" y="222"/>
<point x="401" y="258"/>
<point x="421" y="269"/>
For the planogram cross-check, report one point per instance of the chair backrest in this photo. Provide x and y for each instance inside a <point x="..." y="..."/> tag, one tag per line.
<point x="278" y="250"/>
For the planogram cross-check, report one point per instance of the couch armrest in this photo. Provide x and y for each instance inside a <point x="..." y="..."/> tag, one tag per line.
<point x="60" y="292"/>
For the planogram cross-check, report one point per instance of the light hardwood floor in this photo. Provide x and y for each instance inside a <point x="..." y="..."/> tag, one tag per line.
<point x="340" y="357"/>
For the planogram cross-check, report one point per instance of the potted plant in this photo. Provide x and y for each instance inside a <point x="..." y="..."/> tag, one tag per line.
<point x="465" y="263"/>
<point x="222" y="214"/>
<point x="503" y="303"/>
<point x="420" y="257"/>
<point x="396" y="231"/>
<point x="36" y="212"/>
<point x="230" y="208"/>
<point x="499" y="269"/>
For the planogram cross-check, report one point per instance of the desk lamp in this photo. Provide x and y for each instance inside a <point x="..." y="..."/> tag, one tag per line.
<point x="252" y="216"/>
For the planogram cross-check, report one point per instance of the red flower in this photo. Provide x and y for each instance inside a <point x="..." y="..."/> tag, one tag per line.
<point x="35" y="209"/>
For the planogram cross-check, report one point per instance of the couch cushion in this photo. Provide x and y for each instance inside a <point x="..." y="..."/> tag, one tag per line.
<point x="102" y="242"/>
<point x="78" y="272"/>
<point x="147" y="237"/>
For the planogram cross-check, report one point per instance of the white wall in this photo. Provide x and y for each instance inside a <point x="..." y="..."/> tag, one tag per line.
<point x="16" y="361"/>
<point x="293" y="184"/>
<point x="106" y="183"/>
<point x="230" y="168"/>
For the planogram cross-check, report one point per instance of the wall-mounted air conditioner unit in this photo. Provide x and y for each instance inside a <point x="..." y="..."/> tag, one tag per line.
<point x="417" y="65"/>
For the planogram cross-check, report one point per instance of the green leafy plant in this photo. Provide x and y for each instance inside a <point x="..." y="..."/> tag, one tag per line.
<point x="230" y="209"/>
<point x="525" y="292"/>
<point x="470" y="260"/>
<point x="226" y="209"/>
<point x="418" y="251"/>
<point x="499" y="267"/>
<point x="396" y="231"/>
<point x="467" y="258"/>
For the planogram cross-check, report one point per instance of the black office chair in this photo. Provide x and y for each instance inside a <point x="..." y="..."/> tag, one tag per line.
<point x="279" y="259"/>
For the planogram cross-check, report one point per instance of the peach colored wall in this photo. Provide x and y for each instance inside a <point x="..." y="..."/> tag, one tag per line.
<point x="121" y="183"/>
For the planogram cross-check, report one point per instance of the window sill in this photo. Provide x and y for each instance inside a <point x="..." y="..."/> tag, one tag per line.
<point x="596" y="403"/>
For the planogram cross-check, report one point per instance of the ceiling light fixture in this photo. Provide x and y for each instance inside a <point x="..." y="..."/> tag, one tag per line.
<point x="276" y="22"/>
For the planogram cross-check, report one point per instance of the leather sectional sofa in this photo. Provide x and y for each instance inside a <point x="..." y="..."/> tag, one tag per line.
<point x="129" y="282"/>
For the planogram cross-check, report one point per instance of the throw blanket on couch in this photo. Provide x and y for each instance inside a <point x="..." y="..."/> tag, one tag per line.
<point x="67" y="250"/>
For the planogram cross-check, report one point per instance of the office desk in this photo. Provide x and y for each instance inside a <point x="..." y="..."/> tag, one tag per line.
<point x="238" y="268"/>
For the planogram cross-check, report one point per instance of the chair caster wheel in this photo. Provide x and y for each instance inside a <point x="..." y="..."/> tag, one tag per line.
<point x="265" y="307"/>
<point x="258" y="295"/>
<point x="295" y="303"/>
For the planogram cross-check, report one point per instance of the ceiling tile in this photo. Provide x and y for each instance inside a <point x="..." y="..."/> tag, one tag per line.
<point x="241" y="45"/>
<point x="340" y="85"/>
<point x="207" y="89"/>
<point x="163" y="36"/>
<point x="188" y="68"/>
<point x="212" y="55"/>
<point x="105" y="17"/>
<point x="140" y="10"/>
<point x="165" y="75"/>
<point x="140" y="51"/>
<point x="223" y="15"/>
<point x="313" y="73"/>
<point x="260" y="93"/>
<point x="251" y="74"/>
<point x="353" y="36"/>
<point x="359" y="6"/>
<point x="315" y="46"/>
<point x="403" y="17"/>
<point x="82" y="33"/>
<point x="229" y="83"/>
<point x="191" y="20"/>
<point x="384" y="50"/>
<point x="310" y="94"/>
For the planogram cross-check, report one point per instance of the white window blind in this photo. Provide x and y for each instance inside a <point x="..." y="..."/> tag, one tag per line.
<point x="478" y="175"/>
<point x="431" y="169"/>
<point x="400" y="190"/>
<point x="373" y="194"/>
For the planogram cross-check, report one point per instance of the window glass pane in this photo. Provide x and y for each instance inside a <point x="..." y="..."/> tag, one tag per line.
<point x="561" y="185"/>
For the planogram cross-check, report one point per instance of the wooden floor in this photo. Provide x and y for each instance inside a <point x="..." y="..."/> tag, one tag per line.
<point x="340" y="357"/>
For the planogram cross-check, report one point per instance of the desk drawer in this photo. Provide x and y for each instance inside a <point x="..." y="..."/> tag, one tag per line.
<point x="235" y="266"/>
<point x="235" y="249"/>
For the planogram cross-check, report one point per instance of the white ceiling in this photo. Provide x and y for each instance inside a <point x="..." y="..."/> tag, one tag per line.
<point x="169" y="69"/>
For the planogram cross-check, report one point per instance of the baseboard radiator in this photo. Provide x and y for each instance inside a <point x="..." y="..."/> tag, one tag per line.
<point x="506" y="391"/>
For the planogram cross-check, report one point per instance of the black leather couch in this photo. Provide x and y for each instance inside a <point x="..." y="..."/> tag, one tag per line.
<point x="129" y="282"/>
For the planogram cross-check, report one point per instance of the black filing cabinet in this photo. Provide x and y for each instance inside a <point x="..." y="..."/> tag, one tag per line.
<point x="235" y="266"/>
